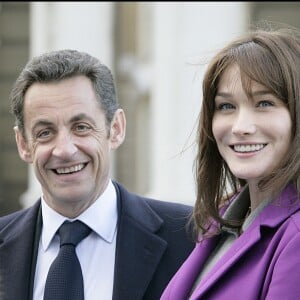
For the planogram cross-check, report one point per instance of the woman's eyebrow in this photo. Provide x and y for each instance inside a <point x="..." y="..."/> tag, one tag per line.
<point x="261" y="93"/>
<point x="223" y="94"/>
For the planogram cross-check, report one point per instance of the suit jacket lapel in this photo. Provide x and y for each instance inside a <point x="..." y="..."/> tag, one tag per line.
<point x="139" y="249"/>
<point x="16" y="249"/>
<point x="37" y="235"/>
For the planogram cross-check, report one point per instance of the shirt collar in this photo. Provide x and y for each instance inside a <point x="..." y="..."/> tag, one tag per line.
<point x="101" y="217"/>
<point x="237" y="210"/>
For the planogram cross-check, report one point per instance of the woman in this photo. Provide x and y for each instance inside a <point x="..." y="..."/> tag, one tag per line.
<point x="247" y="212"/>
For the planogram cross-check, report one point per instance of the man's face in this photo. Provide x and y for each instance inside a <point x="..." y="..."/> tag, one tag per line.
<point x="68" y="142"/>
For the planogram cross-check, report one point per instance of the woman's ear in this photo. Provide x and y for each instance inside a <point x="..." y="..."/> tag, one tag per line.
<point x="22" y="145"/>
<point x="117" y="129"/>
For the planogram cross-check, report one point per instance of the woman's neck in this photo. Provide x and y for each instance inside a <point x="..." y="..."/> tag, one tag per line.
<point x="257" y="196"/>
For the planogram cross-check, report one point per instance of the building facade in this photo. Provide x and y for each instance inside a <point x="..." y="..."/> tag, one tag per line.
<point x="157" y="52"/>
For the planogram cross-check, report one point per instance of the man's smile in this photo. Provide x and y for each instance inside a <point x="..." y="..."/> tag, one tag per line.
<point x="68" y="170"/>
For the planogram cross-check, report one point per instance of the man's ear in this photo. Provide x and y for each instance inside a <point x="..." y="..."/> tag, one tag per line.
<point x="117" y="129"/>
<point x="22" y="145"/>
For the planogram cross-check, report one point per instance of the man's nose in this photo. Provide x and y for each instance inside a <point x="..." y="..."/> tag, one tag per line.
<point x="64" y="145"/>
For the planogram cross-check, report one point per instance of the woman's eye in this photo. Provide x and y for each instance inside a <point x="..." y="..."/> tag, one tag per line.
<point x="225" y="106"/>
<point x="265" y="103"/>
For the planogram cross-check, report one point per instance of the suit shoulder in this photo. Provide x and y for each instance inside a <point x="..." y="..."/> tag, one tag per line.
<point x="140" y="208"/>
<point x="176" y="216"/>
<point x="177" y="226"/>
<point x="170" y="207"/>
<point x="155" y="204"/>
<point x="19" y="215"/>
<point x="10" y="217"/>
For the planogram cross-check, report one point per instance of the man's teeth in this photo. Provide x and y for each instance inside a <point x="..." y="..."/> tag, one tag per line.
<point x="248" y="148"/>
<point x="70" y="169"/>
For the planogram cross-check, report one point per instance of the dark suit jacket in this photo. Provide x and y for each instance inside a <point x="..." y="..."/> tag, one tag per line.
<point x="152" y="243"/>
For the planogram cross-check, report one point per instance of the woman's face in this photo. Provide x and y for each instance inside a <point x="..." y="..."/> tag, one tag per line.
<point x="252" y="134"/>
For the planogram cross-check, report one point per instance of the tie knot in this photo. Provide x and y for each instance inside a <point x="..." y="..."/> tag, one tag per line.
<point x="73" y="232"/>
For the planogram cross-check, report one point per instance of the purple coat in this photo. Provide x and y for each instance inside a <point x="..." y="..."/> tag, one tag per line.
<point x="263" y="263"/>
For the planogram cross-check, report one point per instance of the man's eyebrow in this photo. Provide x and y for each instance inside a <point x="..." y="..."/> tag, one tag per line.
<point x="41" y="123"/>
<point x="81" y="117"/>
<point x="76" y="118"/>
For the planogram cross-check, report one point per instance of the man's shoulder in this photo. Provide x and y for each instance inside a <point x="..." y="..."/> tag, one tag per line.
<point x="169" y="207"/>
<point x="11" y="216"/>
<point x="18" y="215"/>
<point x="142" y="209"/>
<point x="157" y="204"/>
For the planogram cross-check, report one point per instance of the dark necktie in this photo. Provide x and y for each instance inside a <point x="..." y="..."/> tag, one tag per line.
<point x="64" y="280"/>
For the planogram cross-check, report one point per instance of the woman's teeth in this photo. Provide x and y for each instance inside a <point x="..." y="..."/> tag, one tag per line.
<point x="248" y="148"/>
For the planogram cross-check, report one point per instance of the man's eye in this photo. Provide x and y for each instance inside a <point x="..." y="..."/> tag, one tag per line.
<point x="82" y="127"/>
<point x="43" y="134"/>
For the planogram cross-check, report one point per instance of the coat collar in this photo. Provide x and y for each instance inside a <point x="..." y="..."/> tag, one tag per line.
<point x="287" y="203"/>
<point x="272" y="216"/>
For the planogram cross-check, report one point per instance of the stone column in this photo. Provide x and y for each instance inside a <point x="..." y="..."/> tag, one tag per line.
<point x="185" y="35"/>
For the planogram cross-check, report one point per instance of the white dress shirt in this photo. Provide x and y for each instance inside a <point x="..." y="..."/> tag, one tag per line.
<point x="96" y="253"/>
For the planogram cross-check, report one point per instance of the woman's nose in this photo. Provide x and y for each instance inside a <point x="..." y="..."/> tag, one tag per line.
<point x="244" y="123"/>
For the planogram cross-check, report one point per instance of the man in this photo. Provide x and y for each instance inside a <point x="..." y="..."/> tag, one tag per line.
<point x="67" y="124"/>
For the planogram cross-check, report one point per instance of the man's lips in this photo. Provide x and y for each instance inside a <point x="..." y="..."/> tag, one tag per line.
<point x="69" y="170"/>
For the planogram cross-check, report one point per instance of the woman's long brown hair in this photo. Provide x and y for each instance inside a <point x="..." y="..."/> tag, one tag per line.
<point x="271" y="58"/>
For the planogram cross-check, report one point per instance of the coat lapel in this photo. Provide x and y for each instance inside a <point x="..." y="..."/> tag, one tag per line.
<point x="185" y="278"/>
<point x="272" y="216"/>
<point x="228" y="260"/>
<point x="139" y="249"/>
<point x="16" y="252"/>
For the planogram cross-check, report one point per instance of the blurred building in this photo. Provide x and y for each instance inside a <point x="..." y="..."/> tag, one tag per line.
<point x="157" y="52"/>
